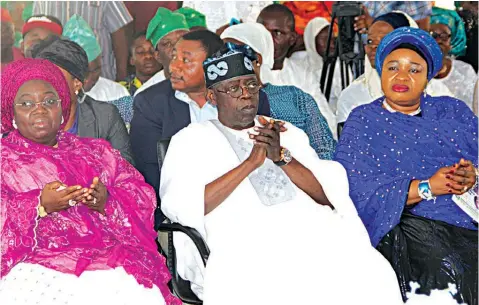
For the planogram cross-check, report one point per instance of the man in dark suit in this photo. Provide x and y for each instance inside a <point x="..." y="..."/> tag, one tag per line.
<point x="167" y="107"/>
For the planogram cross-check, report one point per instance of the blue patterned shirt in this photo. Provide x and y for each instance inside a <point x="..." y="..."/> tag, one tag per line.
<point x="291" y="104"/>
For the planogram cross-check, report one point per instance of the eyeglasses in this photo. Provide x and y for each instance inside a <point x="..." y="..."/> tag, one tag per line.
<point x="443" y="36"/>
<point x="48" y="103"/>
<point x="245" y="49"/>
<point x="237" y="91"/>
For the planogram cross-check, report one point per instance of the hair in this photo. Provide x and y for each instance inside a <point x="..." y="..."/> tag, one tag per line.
<point x="396" y="20"/>
<point x="412" y="48"/>
<point x="279" y="8"/>
<point x="210" y="41"/>
<point x="52" y="18"/>
<point x="137" y="35"/>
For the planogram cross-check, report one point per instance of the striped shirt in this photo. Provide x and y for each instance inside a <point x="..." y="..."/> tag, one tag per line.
<point x="104" y="17"/>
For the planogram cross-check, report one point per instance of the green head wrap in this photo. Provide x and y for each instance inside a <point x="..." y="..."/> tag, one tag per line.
<point x="77" y="30"/>
<point x="455" y="23"/>
<point x="163" y="23"/>
<point x="193" y="18"/>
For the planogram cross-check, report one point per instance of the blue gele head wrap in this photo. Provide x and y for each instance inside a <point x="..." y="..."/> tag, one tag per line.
<point x="416" y="37"/>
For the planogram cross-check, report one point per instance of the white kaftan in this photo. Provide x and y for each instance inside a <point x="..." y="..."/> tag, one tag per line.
<point x="292" y="252"/>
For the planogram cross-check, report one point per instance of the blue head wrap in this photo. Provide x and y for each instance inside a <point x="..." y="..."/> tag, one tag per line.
<point x="416" y="37"/>
<point x="396" y="20"/>
<point x="455" y="24"/>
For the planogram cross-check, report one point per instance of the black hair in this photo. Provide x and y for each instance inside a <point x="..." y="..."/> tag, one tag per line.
<point x="210" y="41"/>
<point x="396" y="20"/>
<point x="137" y="35"/>
<point x="279" y="8"/>
<point x="412" y="48"/>
<point x="52" y="18"/>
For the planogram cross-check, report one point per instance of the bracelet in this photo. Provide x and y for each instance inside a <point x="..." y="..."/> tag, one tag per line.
<point x="424" y="190"/>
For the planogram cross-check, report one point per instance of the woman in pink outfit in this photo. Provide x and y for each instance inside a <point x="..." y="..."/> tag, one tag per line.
<point x="76" y="218"/>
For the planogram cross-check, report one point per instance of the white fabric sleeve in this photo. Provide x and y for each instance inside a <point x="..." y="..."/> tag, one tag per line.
<point x="182" y="193"/>
<point x="330" y="174"/>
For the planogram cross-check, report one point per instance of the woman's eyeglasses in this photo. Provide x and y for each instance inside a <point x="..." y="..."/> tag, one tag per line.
<point x="245" y="49"/>
<point x="443" y="36"/>
<point x="237" y="91"/>
<point x="48" y="103"/>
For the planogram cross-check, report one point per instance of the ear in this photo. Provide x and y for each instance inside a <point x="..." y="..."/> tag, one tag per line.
<point x="77" y="85"/>
<point x="292" y="39"/>
<point x="260" y="58"/>
<point x="22" y="45"/>
<point x="211" y="97"/>
<point x="132" y="60"/>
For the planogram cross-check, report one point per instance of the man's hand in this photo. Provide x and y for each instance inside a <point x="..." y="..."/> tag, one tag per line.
<point x="269" y="137"/>
<point x="363" y="22"/>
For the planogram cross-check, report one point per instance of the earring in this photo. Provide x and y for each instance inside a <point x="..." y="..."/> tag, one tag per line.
<point x="14" y="124"/>
<point x="63" y="120"/>
<point x="258" y="64"/>
<point x="76" y="92"/>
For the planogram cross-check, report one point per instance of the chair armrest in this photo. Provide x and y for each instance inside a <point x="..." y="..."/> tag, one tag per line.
<point x="192" y="234"/>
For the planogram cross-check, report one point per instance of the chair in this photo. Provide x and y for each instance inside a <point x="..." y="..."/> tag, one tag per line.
<point x="181" y="288"/>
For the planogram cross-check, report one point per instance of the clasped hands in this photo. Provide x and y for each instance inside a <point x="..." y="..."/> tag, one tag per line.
<point x="266" y="141"/>
<point x="456" y="179"/>
<point x="56" y="196"/>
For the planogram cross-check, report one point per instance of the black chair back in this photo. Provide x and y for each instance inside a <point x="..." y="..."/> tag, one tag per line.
<point x="181" y="288"/>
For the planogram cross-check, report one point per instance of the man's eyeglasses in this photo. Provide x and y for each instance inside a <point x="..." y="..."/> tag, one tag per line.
<point x="443" y="36"/>
<point x="245" y="49"/>
<point x="237" y="90"/>
<point x="48" y="103"/>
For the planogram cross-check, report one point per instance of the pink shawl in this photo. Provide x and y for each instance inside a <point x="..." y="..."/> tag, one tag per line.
<point x="78" y="239"/>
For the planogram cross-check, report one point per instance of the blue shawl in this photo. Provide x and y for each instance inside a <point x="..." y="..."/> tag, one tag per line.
<point x="383" y="152"/>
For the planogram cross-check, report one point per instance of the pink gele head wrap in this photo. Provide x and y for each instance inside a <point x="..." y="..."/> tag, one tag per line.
<point x="17" y="73"/>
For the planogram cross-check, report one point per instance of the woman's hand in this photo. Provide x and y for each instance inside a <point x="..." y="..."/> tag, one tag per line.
<point x="456" y="179"/>
<point x="97" y="196"/>
<point x="56" y="197"/>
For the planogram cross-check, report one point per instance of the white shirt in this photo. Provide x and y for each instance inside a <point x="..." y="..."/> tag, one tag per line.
<point x="155" y="79"/>
<point x="197" y="114"/>
<point x="461" y="81"/>
<point x="106" y="90"/>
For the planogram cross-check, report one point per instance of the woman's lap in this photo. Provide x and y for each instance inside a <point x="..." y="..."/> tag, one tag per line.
<point x="433" y="253"/>
<point x="35" y="284"/>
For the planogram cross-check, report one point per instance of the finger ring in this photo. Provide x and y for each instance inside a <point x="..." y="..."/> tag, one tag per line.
<point x="94" y="201"/>
<point x="71" y="203"/>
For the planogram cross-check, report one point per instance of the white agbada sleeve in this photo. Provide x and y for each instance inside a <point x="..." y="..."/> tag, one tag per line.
<point x="330" y="174"/>
<point x="182" y="193"/>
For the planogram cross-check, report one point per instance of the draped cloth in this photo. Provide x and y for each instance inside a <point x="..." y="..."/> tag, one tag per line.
<point x="77" y="239"/>
<point x="383" y="152"/>
<point x="249" y="263"/>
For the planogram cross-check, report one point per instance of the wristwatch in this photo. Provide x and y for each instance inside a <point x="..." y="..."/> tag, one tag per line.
<point x="285" y="157"/>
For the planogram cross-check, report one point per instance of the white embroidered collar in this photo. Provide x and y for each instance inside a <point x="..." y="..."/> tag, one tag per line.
<point x="390" y="109"/>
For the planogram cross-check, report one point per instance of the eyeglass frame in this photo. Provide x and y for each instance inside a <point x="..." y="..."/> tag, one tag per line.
<point x="36" y="104"/>
<point x="242" y="91"/>
<point x="441" y="35"/>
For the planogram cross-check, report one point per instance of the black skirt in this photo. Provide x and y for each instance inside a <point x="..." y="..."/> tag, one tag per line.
<point x="433" y="254"/>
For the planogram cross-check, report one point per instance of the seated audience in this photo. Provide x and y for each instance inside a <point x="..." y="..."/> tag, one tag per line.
<point x="279" y="21"/>
<point x="194" y="19"/>
<point x="9" y="52"/>
<point x="367" y="87"/>
<point x="164" y="31"/>
<point x="76" y="225"/>
<point x="88" y="117"/>
<point x="459" y="77"/>
<point x="408" y="157"/>
<point x="183" y="101"/>
<point x="38" y="28"/>
<point x="95" y="86"/>
<point x="143" y="58"/>
<point x="287" y="103"/>
<point x="249" y="170"/>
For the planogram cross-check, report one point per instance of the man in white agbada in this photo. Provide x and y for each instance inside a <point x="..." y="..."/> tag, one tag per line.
<point x="367" y="87"/>
<point x="280" y="70"/>
<point x="279" y="223"/>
